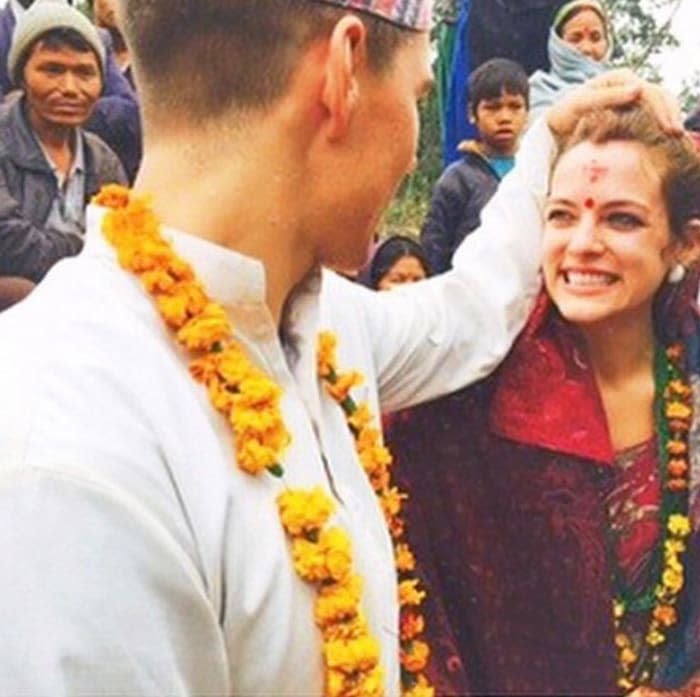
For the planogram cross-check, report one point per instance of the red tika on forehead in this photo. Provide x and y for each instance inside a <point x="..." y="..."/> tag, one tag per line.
<point x="589" y="203"/>
<point x="412" y="14"/>
<point x="594" y="171"/>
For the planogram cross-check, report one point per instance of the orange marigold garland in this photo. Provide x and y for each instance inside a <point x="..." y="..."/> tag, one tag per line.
<point x="637" y="660"/>
<point x="376" y="460"/>
<point x="251" y="403"/>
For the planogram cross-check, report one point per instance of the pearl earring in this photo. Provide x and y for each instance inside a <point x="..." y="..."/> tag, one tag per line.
<point x="676" y="274"/>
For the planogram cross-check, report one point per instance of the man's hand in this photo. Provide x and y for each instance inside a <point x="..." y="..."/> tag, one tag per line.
<point x="613" y="89"/>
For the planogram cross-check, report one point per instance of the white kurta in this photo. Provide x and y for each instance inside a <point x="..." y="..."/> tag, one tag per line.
<point x="138" y="559"/>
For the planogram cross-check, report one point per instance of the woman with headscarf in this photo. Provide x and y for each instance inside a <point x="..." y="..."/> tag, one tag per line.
<point x="580" y="45"/>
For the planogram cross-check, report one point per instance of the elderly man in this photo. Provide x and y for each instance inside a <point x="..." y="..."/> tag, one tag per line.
<point x="188" y="490"/>
<point x="49" y="166"/>
<point x="116" y="117"/>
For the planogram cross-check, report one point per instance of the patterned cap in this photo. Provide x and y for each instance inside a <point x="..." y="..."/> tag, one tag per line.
<point x="412" y="14"/>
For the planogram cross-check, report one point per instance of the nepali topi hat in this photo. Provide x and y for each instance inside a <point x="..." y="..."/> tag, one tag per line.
<point x="412" y="14"/>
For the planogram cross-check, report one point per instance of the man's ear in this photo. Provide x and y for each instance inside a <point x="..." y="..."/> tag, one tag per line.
<point x="347" y="53"/>
<point x="687" y="250"/>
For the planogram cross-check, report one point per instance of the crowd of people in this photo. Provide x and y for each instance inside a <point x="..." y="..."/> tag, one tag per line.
<point x="195" y="494"/>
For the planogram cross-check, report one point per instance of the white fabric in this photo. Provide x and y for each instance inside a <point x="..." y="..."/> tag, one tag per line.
<point x="138" y="559"/>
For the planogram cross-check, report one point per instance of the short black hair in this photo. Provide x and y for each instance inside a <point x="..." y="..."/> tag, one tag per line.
<point x="61" y="37"/>
<point x="498" y="75"/>
<point x="390" y="251"/>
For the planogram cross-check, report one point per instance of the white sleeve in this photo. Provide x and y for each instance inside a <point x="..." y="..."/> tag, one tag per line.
<point x="438" y="336"/>
<point x="96" y="598"/>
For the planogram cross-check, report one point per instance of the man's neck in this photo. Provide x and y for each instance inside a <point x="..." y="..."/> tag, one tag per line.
<point x="247" y="200"/>
<point x="57" y="141"/>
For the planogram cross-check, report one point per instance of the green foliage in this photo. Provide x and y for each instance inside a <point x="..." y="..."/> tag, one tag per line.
<point x="406" y="213"/>
<point x="642" y="31"/>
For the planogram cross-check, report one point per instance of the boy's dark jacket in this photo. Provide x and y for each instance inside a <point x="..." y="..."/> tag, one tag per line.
<point x="460" y="193"/>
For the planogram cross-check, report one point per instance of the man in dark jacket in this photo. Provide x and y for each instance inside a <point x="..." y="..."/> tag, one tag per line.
<point x="498" y="108"/>
<point x="49" y="166"/>
<point x="116" y="116"/>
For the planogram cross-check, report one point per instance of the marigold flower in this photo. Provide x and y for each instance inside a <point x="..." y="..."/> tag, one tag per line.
<point x="338" y="602"/>
<point x="665" y="615"/>
<point x="677" y="467"/>
<point x="257" y="391"/>
<point x="371" y="683"/>
<point x="422" y="688"/>
<point x="678" y="410"/>
<point x="627" y="657"/>
<point x="397" y="527"/>
<point x="309" y="560"/>
<point x="679" y="525"/>
<point x="391" y="500"/>
<point x="219" y="396"/>
<point x="325" y="354"/>
<point x="256" y="422"/>
<point x="157" y="281"/>
<point x="204" y="368"/>
<point x="621" y="640"/>
<point x="410" y="594"/>
<point x="405" y="561"/>
<point x="677" y="485"/>
<point x="361" y="654"/>
<point x="354" y="628"/>
<point x="233" y="365"/>
<point x="676" y="448"/>
<point x="679" y="425"/>
<point x="625" y="684"/>
<point x="361" y="418"/>
<point x="340" y="389"/>
<point x="411" y="625"/>
<point x="655" y="638"/>
<point x="112" y="196"/>
<point x="304" y="511"/>
<point x="253" y="456"/>
<point x="672" y="579"/>
<point x="206" y="329"/>
<point x="366" y="684"/>
<point x="328" y="559"/>
<point x="674" y="352"/>
<point x="674" y="547"/>
<point x="173" y="309"/>
<point x="677" y="388"/>
<point x="338" y="550"/>
<point x="414" y="657"/>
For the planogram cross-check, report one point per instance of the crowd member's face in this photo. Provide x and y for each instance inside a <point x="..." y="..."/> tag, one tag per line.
<point x="106" y="13"/>
<point x="407" y="269"/>
<point x="378" y="152"/>
<point x="585" y="31"/>
<point x="61" y="85"/>
<point x="500" y="122"/>
<point x="607" y="239"/>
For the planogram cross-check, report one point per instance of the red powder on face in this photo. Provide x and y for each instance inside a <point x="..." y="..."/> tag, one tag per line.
<point x="589" y="203"/>
<point x="594" y="171"/>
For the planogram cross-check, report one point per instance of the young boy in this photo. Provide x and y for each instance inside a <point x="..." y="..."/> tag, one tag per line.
<point x="498" y="107"/>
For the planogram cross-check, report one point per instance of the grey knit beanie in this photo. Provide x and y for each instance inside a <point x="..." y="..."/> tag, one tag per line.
<point x="42" y="17"/>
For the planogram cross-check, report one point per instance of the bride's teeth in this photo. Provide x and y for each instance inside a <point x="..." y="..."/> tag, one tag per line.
<point x="580" y="278"/>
